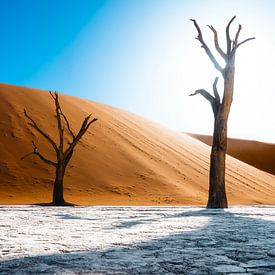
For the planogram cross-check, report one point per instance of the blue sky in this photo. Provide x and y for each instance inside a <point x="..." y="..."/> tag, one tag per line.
<point x="34" y="33"/>
<point x="141" y="55"/>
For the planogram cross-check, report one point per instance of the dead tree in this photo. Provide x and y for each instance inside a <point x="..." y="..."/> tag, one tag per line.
<point x="63" y="155"/>
<point x="221" y="108"/>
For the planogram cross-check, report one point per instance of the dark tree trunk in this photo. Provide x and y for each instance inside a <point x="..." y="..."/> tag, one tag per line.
<point x="217" y="193"/>
<point x="58" y="198"/>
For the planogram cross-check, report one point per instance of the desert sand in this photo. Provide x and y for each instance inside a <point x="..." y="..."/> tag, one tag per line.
<point x="123" y="159"/>
<point x="255" y="153"/>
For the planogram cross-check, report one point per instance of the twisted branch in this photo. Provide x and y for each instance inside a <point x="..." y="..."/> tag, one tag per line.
<point x="215" y="90"/>
<point x="54" y="95"/>
<point x="206" y="48"/>
<point x="84" y="127"/>
<point x="228" y="39"/>
<point x="238" y="45"/>
<point x="214" y="100"/>
<point x="235" y="42"/>
<point x="33" y="124"/>
<point x="216" y="41"/>
<point x="36" y="152"/>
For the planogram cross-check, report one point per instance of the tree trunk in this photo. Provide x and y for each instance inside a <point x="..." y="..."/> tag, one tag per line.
<point x="58" y="198"/>
<point x="217" y="193"/>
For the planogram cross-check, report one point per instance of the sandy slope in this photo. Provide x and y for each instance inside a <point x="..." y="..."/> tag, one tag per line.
<point x="123" y="159"/>
<point x="258" y="154"/>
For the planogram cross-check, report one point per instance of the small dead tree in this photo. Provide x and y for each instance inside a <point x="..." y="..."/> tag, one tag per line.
<point x="63" y="155"/>
<point x="221" y="108"/>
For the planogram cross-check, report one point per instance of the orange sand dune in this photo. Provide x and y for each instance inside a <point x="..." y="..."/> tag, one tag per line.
<point x="258" y="154"/>
<point x="123" y="159"/>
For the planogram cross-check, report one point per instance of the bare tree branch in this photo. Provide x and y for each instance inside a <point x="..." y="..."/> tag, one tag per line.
<point x="33" y="124"/>
<point x="228" y="39"/>
<point x="84" y="127"/>
<point x="68" y="125"/>
<point x="214" y="101"/>
<point x="215" y="90"/>
<point x="237" y="36"/>
<point x="216" y="41"/>
<point x="204" y="93"/>
<point x="36" y="152"/>
<point x="206" y="48"/>
<point x="54" y="95"/>
<point x="68" y="157"/>
<point x="92" y="121"/>
<point x="246" y="40"/>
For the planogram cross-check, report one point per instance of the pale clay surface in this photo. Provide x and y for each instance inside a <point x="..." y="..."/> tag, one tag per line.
<point x="137" y="240"/>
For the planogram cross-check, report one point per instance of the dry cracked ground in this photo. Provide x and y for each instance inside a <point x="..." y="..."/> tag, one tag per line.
<point x="137" y="240"/>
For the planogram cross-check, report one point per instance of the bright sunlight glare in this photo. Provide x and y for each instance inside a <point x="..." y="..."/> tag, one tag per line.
<point x="142" y="56"/>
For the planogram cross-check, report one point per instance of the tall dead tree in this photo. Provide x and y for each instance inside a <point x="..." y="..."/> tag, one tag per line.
<point x="63" y="155"/>
<point x="221" y="108"/>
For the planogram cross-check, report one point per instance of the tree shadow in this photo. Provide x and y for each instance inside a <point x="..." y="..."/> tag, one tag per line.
<point x="52" y="204"/>
<point x="73" y="217"/>
<point x="226" y="243"/>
